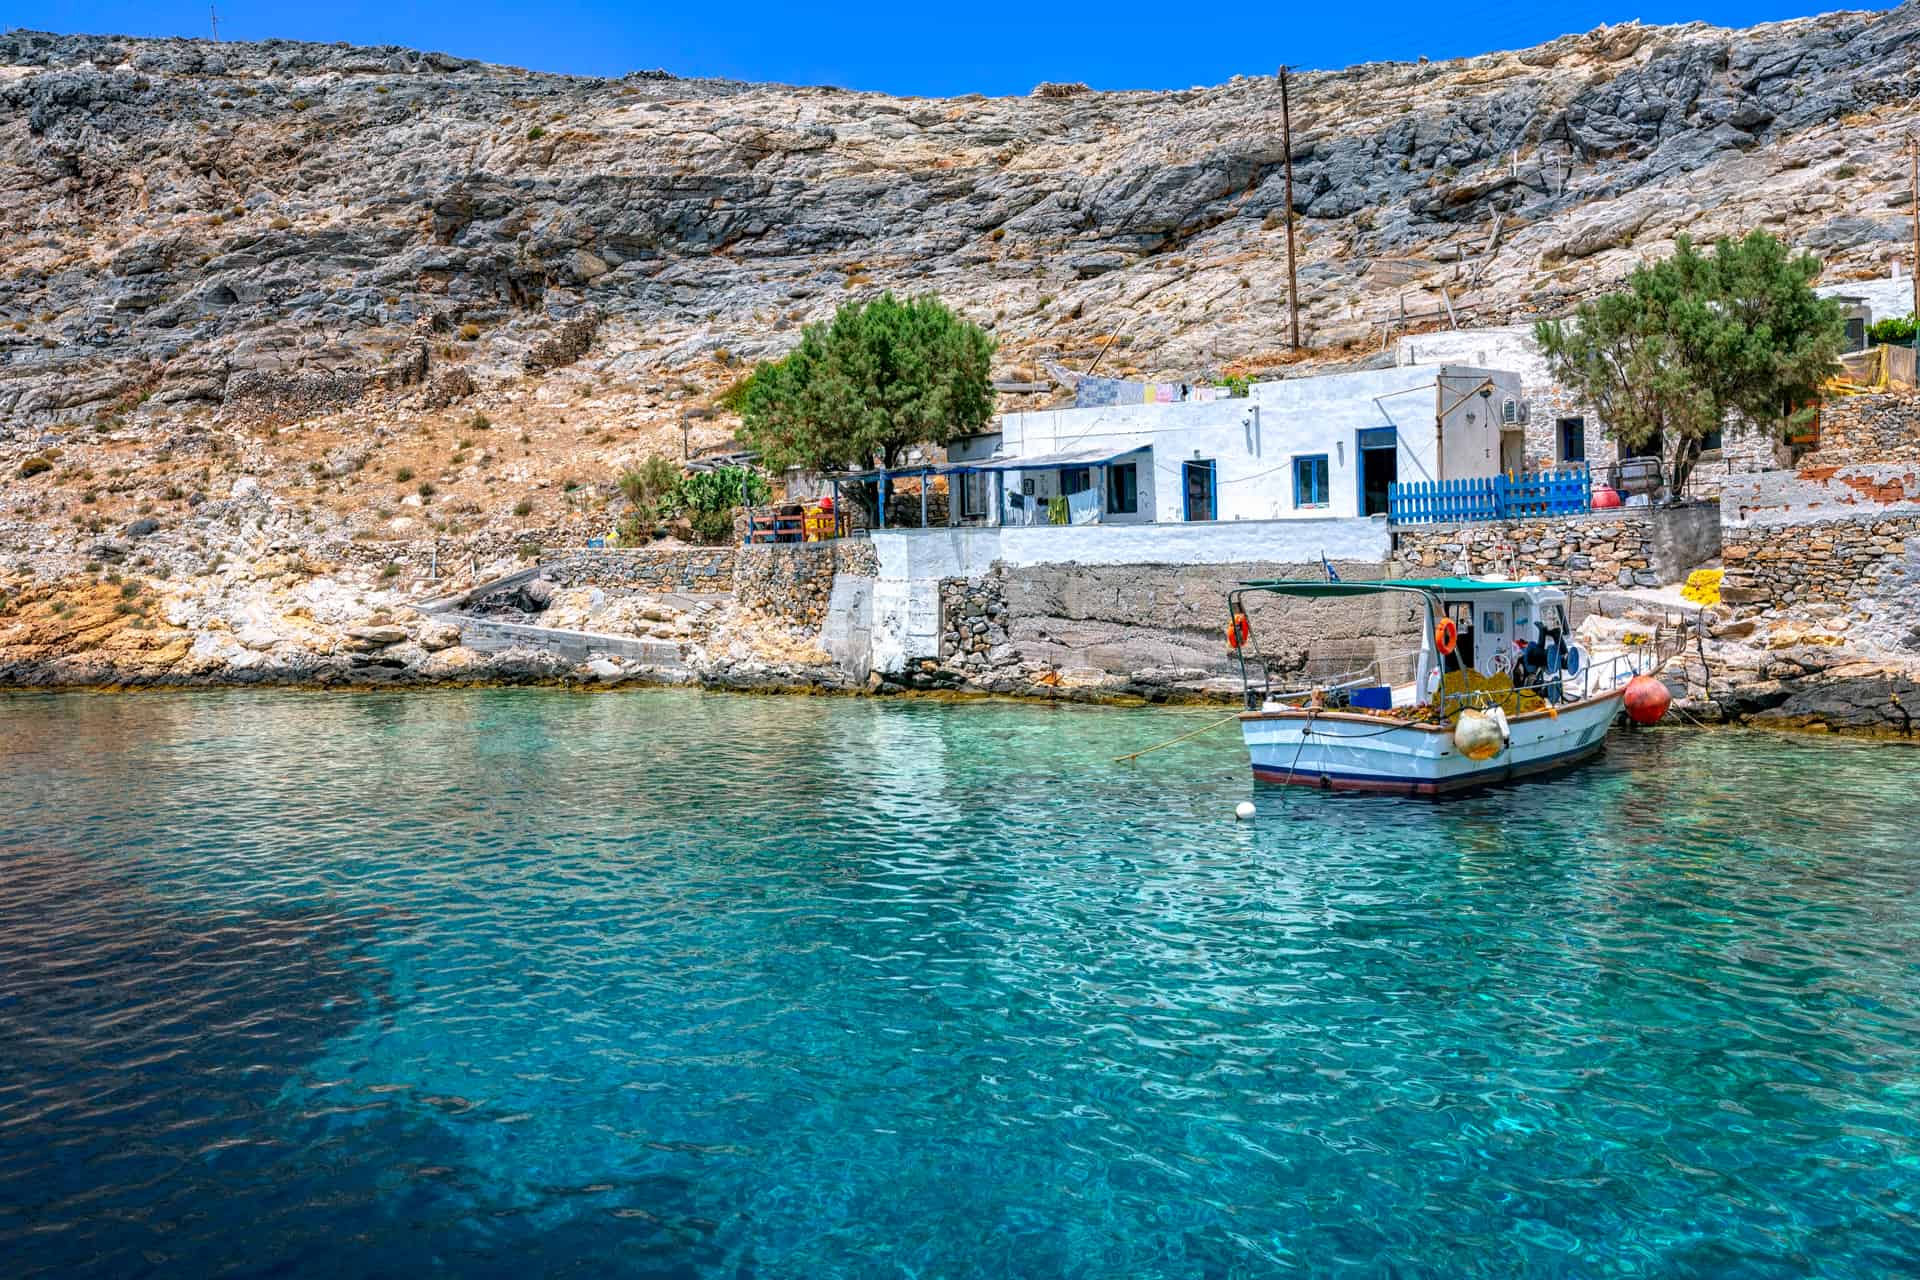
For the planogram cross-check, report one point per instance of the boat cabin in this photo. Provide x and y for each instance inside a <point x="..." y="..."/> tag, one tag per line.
<point x="1486" y="641"/>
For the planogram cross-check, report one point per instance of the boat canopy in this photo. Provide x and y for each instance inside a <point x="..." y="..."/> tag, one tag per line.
<point x="1314" y="590"/>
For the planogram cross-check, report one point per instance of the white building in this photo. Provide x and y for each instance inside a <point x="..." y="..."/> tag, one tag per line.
<point x="1563" y="432"/>
<point x="1310" y="448"/>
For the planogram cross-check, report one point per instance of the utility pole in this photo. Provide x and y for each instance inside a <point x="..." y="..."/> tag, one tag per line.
<point x="213" y="16"/>
<point x="1913" y="206"/>
<point x="1286" y="143"/>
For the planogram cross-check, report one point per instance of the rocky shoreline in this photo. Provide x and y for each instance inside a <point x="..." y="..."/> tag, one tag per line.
<point x="1809" y="688"/>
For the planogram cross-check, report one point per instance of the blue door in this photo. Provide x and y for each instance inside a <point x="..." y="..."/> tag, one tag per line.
<point x="1198" y="483"/>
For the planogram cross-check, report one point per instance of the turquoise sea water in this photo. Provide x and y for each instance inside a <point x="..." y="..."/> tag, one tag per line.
<point x="523" y="982"/>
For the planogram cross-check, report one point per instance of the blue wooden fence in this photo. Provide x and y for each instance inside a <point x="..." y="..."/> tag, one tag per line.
<point x="1505" y="497"/>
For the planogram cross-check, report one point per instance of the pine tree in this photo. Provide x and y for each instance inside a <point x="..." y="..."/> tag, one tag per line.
<point x="860" y="391"/>
<point x="1731" y="340"/>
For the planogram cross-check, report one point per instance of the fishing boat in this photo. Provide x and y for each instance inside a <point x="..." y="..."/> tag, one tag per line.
<point x="1499" y="690"/>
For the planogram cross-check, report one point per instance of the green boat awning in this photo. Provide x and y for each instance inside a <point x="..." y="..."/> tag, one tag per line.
<point x="1312" y="590"/>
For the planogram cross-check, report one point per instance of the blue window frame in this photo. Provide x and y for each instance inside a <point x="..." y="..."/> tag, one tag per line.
<point x="1310" y="481"/>
<point x="1123" y="488"/>
<point x="1076" y="479"/>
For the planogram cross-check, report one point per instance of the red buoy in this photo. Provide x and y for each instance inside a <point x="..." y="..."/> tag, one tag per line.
<point x="1647" y="700"/>
<point x="1604" y="497"/>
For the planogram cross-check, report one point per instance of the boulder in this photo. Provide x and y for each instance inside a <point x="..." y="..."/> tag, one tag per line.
<point x="436" y="634"/>
<point x="376" y="635"/>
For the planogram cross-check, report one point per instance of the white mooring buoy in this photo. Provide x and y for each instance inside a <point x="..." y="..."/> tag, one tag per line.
<point x="1244" y="811"/>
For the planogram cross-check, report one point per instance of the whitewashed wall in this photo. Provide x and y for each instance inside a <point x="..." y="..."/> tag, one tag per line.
<point x="1253" y="441"/>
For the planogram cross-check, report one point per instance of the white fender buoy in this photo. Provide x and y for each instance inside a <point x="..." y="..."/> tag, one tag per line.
<point x="1478" y="735"/>
<point x="1244" y="811"/>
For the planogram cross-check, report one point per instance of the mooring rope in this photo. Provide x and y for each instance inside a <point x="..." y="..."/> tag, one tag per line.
<point x="1135" y="755"/>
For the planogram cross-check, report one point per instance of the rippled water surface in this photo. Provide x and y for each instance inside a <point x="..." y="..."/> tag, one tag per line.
<point x="521" y="983"/>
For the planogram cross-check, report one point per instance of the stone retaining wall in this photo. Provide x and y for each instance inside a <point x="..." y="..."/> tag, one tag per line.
<point x="708" y="570"/>
<point x="1858" y="575"/>
<point x="973" y="620"/>
<point x="1603" y="550"/>
<point x="793" y="582"/>
<point x="1875" y="428"/>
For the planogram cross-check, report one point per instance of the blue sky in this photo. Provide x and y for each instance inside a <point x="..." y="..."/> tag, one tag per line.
<point x="902" y="47"/>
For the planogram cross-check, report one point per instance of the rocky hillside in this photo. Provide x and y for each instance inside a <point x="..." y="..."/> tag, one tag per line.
<point x="287" y="330"/>
<point x="375" y="294"/>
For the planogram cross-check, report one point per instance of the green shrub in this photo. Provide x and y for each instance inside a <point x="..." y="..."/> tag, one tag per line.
<point x="403" y="474"/>
<point x="712" y="526"/>
<point x="653" y="488"/>
<point x="426" y="490"/>
<point x="524" y="507"/>
<point x="723" y="489"/>
<point x="34" y="466"/>
<point x="733" y="397"/>
<point x="536" y="133"/>
<point x="1895" y="329"/>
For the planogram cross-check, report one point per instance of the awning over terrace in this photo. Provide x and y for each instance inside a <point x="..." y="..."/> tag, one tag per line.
<point x="1098" y="456"/>
<point x="1058" y="460"/>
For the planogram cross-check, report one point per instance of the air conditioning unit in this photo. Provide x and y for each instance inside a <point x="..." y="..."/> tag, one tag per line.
<point x="1513" y="412"/>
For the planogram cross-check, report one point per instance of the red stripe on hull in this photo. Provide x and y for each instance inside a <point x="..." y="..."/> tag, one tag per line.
<point x="1422" y="787"/>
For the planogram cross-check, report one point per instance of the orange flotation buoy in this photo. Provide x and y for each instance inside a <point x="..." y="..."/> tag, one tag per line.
<point x="1446" y="637"/>
<point x="1237" y="632"/>
<point x="1647" y="700"/>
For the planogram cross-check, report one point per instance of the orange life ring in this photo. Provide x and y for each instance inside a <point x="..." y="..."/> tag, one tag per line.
<point x="1237" y="632"/>
<point x="1446" y="637"/>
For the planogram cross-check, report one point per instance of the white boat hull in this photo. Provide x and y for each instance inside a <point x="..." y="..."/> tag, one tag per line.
<point x="1348" y="751"/>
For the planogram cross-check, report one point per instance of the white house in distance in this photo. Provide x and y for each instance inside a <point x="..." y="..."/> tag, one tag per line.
<point x="1310" y="448"/>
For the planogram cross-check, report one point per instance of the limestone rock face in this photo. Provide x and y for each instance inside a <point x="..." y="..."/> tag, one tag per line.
<point x="290" y="228"/>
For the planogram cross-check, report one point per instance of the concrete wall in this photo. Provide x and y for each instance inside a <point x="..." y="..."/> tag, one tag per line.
<point x="1253" y="442"/>
<point x="847" y="634"/>
<point x="962" y="553"/>
<point x="1155" y="630"/>
<point x="906" y="606"/>
<point x="1683" y="538"/>
<point x="1820" y="493"/>
<point x="490" y="635"/>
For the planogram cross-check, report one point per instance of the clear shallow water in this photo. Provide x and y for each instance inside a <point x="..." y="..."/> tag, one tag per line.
<point x="522" y="982"/>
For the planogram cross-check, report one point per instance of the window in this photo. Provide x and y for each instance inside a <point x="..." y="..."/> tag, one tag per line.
<point x="1310" y="481"/>
<point x="1573" y="439"/>
<point x="973" y="495"/>
<point x="1075" y="479"/>
<point x="1714" y="439"/>
<point x="1123" y="489"/>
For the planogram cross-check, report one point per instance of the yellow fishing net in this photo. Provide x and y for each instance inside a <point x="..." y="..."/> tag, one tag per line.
<point x="1497" y="691"/>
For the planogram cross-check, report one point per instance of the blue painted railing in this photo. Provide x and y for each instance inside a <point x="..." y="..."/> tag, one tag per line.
<point x="1505" y="497"/>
